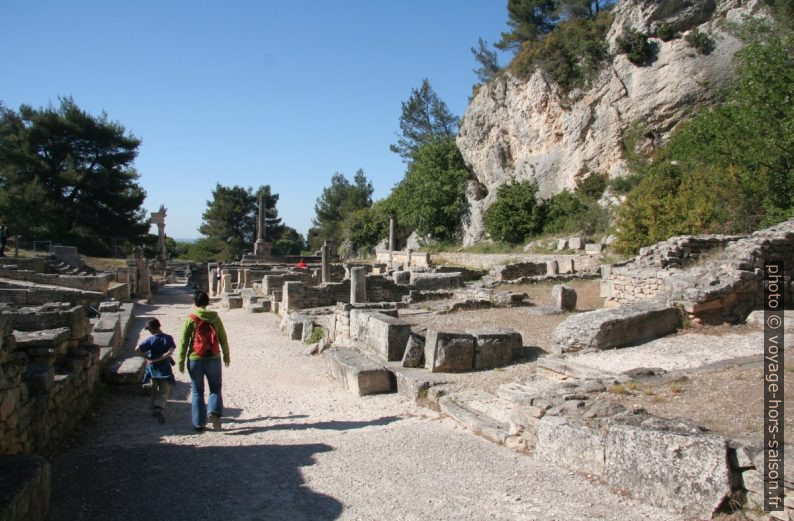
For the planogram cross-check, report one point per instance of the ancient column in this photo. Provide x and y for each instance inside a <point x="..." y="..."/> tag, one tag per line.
<point x="358" y="285"/>
<point x="226" y="285"/>
<point x="391" y="239"/>
<point x="260" y="222"/>
<point x="158" y="218"/>
<point x="326" y="269"/>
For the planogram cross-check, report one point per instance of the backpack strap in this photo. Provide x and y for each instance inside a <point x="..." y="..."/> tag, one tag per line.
<point x="197" y="321"/>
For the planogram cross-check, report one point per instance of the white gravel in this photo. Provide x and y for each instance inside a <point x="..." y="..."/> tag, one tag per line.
<point x="296" y="446"/>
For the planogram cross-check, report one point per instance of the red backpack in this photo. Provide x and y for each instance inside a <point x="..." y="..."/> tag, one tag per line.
<point x="205" y="339"/>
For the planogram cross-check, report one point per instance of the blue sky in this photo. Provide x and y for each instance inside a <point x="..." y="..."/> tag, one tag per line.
<point x="243" y="92"/>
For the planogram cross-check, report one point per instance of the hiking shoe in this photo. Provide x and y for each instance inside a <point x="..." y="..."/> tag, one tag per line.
<point x="215" y="420"/>
<point x="159" y="415"/>
<point x="198" y="429"/>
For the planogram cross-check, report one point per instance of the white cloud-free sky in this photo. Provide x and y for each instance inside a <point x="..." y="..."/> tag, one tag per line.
<point x="246" y="92"/>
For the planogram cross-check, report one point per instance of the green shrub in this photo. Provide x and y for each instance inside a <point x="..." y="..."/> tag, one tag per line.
<point x="700" y="41"/>
<point x="666" y="32"/>
<point x="317" y="334"/>
<point x="636" y="46"/>
<point x="569" y="56"/>
<point x="515" y="214"/>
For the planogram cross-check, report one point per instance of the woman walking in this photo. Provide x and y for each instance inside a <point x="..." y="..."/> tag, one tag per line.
<point x="201" y="342"/>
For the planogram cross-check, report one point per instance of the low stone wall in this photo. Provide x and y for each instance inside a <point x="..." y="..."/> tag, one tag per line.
<point x="51" y="367"/>
<point x="522" y="269"/>
<point x="297" y="295"/>
<point x="29" y="294"/>
<point x="643" y="276"/>
<point x="98" y="283"/>
<point x="37" y="264"/>
<point x="407" y="259"/>
<point x="724" y="289"/>
<point x="490" y="260"/>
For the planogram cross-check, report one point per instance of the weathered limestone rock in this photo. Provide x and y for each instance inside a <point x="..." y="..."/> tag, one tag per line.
<point x="357" y="373"/>
<point x="495" y="348"/>
<point x="552" y="267"/>
<point x="571" y="444"/>
<point x="563" y="298"/>
<point x="682" y="472"/>
<point x="605" y="328"/>
<point x="414" y="351"/>
<point x="527" y="131"/>
<point x="387" y="336"/>
<point x="126" y="371"/>
<point x="432" y="281"/>
<point x="447" y="352"/>
<point x="594" y="249"/>
<point x="231" y="301"/>
<point x="402" y="277"/>
<point x="109" y="307"/>
<point x="577" y="243"/>
<point x="358" y="285"/>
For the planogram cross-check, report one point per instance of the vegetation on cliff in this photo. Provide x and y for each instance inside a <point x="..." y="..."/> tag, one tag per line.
<point x="730" y="168"/>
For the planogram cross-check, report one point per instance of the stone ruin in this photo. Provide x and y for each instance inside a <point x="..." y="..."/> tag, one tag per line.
<point x="560" y="414"/>
<point x="62" y="327"/>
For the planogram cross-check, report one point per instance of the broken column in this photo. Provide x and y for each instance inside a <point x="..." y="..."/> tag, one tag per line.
<point x="326" y="267"/>
<point x="358" y="285"/>
<point x="391" y="239"/>
<point x="563" y="298"/>
<point x="158" y="218"/>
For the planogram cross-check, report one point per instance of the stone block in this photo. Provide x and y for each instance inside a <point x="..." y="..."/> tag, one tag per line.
<point x="593" y="249"/>
<point x="576" y="243"/>
<point x="295" y="328"/>
<point x="47" y="338"/>
<point x="447" y="352"/>
<point x="357" y="373"/>
<point x="563" y="298"/>
<point x="606" y="328"/>
<point x="231" y="301"/>
<point x="495" y="348"/>
<point x="387" y="336"/>
<point x="125" y="371"/>
<point x="573" y="445"/>
<point x="552" y="267"/>
<point x="108" y="322"/>
<point x="402" y="277"/>
<point x="432" y="281"/>
<point x="414" y="351"/>
<point x="562" y="244"/>
<point x="109" y="306"/>
<point x="687" y="473"/>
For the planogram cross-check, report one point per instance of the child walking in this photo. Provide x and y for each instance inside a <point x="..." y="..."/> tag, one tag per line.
<point x="158" y="349"/>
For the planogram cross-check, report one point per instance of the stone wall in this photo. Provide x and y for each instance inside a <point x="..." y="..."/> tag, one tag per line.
<point x="50" y="367"/>
<point x="98" y="283"/>
<point x="29" y="294"/>
<point x="407" y="259"/>
<point x="725" y="287"/>
<point x="491" y="260"/>
<point x="643" y="276"/>
<point x="297" y="295"/>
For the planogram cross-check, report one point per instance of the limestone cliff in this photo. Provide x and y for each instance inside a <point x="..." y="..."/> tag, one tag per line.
<point x="529" y="130"/>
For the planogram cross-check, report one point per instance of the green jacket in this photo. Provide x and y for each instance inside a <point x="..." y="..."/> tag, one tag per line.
<point x="188" y="329"/>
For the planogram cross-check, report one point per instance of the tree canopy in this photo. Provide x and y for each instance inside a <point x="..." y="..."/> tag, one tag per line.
<point x="229" y="222"/>
<point x="68" y="176"/>
<point x="424" y="118"/>
<point x="489" y="63"/>
<point x="337" y="205"/>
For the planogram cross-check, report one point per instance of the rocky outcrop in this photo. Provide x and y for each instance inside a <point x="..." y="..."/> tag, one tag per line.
<point x="529" y="130"/>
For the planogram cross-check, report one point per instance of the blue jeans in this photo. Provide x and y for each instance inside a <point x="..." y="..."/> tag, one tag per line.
<point x="198" y="370"/>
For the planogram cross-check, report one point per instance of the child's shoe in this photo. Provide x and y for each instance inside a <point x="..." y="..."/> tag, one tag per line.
<point x="158" y="413"/>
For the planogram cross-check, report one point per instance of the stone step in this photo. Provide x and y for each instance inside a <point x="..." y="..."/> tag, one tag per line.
<point x="481" y="412"/>
<point x="571" y="369"/>
<point x="357" y="372"/>
<point x="415" y="383"/>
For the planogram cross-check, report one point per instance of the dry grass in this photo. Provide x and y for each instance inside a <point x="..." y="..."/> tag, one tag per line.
<point x="103" y="263"/>
<point x="587" y="292"/>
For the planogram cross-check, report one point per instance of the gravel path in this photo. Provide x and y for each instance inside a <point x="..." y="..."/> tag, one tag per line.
<point x="294" y="446"/>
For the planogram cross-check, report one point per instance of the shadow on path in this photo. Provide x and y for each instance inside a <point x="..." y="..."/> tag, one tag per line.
<point x="327" y="425"/>
<point x="177" y="482"/>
